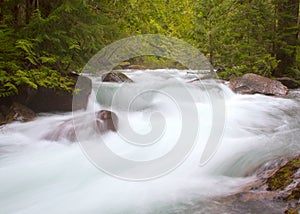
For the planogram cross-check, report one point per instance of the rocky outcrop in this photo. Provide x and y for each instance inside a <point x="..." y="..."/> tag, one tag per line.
<point x="4" y="110"/>
<point x="100" y="122"/>
<point x="44" y="100"/>
<point x="253" y="83"/>
<point x="277" y="180"/>
<point x="19" y="112"/>
<point x="115" y="76"/>
<point x="2" y="119"/>
<point x="53" y="100"/>
<point x="289" y="82"/>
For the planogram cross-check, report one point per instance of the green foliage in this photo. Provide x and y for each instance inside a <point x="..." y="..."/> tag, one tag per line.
<point x="237" y="35"/>
<point x="41" y="43"/>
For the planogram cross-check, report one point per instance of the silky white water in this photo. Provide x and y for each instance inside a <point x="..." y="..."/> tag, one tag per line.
<point x="41" y="176"/>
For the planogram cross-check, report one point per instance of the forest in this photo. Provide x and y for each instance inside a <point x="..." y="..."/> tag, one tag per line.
<point x="42" y="41"/>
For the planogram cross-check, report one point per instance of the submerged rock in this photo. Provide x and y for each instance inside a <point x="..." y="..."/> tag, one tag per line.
<point x="253" y="83"/>
<point x="115" y="76"/>
<point x="100" y="122"/>
<point x="19" y="112"/>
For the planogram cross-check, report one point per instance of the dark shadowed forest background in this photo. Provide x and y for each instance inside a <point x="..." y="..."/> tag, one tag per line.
<point x="42" y="41"/>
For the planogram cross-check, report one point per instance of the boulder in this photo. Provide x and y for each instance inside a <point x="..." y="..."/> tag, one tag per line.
<point x="98" y="123"/>
<point x="289" y="82"/>
<point x="115" y="76"/>
<point x="53" y="100"/>
<point x="19" y="112"/>
<point x="277" y="180"/>
<point x="253" y="83"/>
<point x="2" y="119"/>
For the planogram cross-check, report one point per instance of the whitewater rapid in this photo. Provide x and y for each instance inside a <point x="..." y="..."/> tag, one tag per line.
<point x="41" y="176"/>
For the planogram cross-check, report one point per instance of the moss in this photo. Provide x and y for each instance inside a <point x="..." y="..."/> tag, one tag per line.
<point x="295" y="193"/>
<point x="284" y="176"/>
<point x="291" y="212"/>
<point x="294" y="210"/>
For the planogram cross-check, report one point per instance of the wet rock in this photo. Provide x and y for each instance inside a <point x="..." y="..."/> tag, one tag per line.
<point x="2" y="119"/>
<point x="52" y="100"/>
<point x="3" y="112"/>
<point x="100" y="122"/>
<point x="278" y="180"/>
<point x="253" y="83"/>
<point x="289" y="82"/>
<point x="284" y="176"/>
<point x="106" y="120"/>
<point x="115" y="76"/>
<point x="19" y="112"/>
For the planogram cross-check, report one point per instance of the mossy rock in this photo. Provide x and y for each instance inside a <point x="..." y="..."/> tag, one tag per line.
<point x="295" y="193"/>
<point x="115" y="77"/>
<point x="284" y="176"/>
<point x="124" y="65"/>
<point x="19" y="112"/>
<point x="293" y="209"/>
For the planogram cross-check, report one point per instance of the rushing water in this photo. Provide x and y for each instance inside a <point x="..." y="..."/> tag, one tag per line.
<point x="41" y="176"/>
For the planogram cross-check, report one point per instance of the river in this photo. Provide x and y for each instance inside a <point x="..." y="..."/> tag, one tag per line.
<point x="42" y="176"/>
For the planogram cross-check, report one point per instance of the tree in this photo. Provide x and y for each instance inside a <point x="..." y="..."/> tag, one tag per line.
<point x="287" y="28"/>
<point x="236" y="35"/>
<point x="43" y="41"/>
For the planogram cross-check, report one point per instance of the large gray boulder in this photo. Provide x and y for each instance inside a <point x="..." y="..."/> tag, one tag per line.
<point x="55" y="100"/>
<point x="253" y="83"/>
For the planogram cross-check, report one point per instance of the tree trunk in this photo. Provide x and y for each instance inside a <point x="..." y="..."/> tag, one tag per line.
<point x="287" y="34"/>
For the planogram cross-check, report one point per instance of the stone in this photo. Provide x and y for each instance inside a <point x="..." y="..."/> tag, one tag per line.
<point x="115" y="76"/>
<point x="2" y="119"/>
<point x="253" y="83"/>
<point x="289" y="82"/>
<point x="277" y="180"/>
<point x="98" y="123"/>
<point x="19" y="112"/>
<point x="53" y="100"/>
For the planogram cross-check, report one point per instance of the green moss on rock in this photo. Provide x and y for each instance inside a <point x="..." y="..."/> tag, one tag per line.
<point x="295" y="193"/>
<point x="284" y="176"/>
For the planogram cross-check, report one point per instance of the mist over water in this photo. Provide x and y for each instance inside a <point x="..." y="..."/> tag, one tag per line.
<point x="42" y="176"/>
